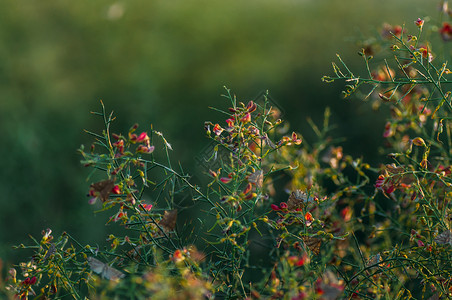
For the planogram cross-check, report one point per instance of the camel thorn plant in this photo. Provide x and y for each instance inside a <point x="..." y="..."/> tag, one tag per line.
<point x="281" y="217"/>
<point x="265" y="217"/>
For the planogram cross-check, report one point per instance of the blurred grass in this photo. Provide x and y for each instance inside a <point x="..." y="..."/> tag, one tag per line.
<point x="159" y="62"/>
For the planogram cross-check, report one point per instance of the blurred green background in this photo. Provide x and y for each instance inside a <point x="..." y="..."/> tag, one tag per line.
<point x="161" y="62"/>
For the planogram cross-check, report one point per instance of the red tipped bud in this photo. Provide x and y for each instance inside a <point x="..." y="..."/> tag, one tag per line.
<point x="275" y="207"/>
<point x="251" y="106"/>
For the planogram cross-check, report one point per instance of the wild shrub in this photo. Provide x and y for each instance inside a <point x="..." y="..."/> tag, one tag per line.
<point x="279" y="216"/>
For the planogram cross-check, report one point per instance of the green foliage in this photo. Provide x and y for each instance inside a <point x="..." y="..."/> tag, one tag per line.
<point x="343" y="229"/>
<point x="59" y="58"/>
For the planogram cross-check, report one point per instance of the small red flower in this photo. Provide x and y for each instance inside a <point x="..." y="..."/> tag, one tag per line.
<point x="426" y="53"/>
<point x="143" y="137"/>
<point x="120" y="215"/>
<point x="178" y="256"/>
<point x="397" y="30"/>
<point x="296" y="261"/>
<point x="295" y="139"/>
<point x="133" y="137"/>
<point x="147" y="207"/>
<point x="116" y="190"/>
<point x="145" y="149"/>
<point x="390" y="189"/>
<point x="230" y="122"/>
<point x="419" y="22"/>
<point x="247" y="188"/>
<point x="29" y="281"/>
<point x="284" y="140"/>
<point x="346" y="214"/>
<point x="217" y="129"/>
<point x="246" y="118"/>
<point x="388" y="130"/>
<point x="380" y="182"/>
<point x="283" y="205"/>
<point x="308" y="217"/>
<point x="119" y="144"/>
<point x="275" y="207"/>
<point x="446" y="32"/>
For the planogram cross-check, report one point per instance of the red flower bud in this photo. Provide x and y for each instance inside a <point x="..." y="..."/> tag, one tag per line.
<point x="275" y="207"/>
<point x="446" y="32"/>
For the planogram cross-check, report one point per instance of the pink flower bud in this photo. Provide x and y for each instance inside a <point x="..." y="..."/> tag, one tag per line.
<point x="147" y="207"/>
<point x="143" y="137"/>
<point x="225" y="179"/>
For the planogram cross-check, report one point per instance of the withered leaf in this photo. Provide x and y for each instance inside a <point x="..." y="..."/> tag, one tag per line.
<point x="257" y="178"/>
<point x="103" y="188"/>
<point x="399" y="174"/>
<point x="444" y="238"/>
<point x="331" y="286"/>
<point x="168" y="221"/>
<point x="374" y="260"/>
<point x="297" y="199"/>
<point x="312" y="243"/>
<point x="50" y="251"/>
<point x="104" y="270"/>
<point x="135" y="254"/>
<point x="195" y="254"/>
<point x="269" y="142"/>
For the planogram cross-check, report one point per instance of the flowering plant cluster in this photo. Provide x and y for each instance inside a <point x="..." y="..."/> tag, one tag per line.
<point x="281" y="217"/>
